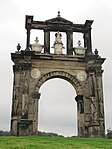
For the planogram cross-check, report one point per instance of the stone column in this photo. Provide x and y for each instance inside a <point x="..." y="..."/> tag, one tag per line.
<point x="46" y="41"/>
<point x="15" y="100"/>
<point x="28" y="23"/>
<point x="69" y="42"/>
<point x="35" y="97"/>
<point x="24" y="124"/>
<point x="94" y="126"/>
<point x="28" y="40"/>
<point x="99" y="72"/>
<point x="87" y="115"/>
<point x="87" y="40"/>
<point x="20" y="99"/>
<point x="80" y="115"/>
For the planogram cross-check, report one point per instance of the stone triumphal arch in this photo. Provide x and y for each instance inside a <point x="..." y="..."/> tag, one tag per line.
<point x="79" y="66"/>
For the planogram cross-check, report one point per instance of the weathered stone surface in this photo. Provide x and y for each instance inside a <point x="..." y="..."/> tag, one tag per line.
<point x="89" y="93"/>
<point x="32" y="69"/>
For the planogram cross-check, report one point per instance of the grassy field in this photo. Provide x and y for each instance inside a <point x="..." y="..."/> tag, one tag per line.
<point x="9" y="142"/>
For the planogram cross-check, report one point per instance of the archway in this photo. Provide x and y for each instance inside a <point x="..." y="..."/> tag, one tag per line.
<point x="57" y="108"/>
<point x="79" y="66"/>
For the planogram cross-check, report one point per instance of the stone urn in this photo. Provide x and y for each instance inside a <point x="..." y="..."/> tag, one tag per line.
<point x="79" y="50"/>
<point x="37" y="47"/>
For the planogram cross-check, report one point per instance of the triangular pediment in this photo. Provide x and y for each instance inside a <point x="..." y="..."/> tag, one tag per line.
<point x="59" y="20"/>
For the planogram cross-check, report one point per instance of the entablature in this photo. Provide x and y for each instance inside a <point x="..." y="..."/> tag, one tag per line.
<point x="28" y="55"/>
<point x="57" y="24"/>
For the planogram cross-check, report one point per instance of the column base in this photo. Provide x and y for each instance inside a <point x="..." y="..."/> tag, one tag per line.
<point x="25" y="127"/>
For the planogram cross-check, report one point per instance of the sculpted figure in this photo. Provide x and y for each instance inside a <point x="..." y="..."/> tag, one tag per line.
<point x="58" y="45"/>
<point x="93" y="109"/>
<point x="58" y="37"/>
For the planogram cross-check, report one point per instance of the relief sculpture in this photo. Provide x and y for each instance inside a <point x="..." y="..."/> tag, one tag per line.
<point x="25" y="98"/>
<point x="93" y="109"/>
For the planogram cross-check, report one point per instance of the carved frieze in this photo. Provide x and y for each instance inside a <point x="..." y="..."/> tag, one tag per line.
<point x="26" y="66"/>
<point x="21" y="66"/>
<point x="94" y="70"/>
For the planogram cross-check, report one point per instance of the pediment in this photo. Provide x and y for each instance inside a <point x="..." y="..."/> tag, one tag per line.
<point x="59" y="20"/>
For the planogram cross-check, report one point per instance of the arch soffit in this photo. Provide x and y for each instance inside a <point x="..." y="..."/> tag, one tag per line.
<point x="60" y="74"/>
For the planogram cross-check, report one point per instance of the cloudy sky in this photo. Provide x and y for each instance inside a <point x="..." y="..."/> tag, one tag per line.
<point x="57" y="110"/>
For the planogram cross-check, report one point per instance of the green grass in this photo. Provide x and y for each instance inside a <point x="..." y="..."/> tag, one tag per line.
<point x="10" y="142"/>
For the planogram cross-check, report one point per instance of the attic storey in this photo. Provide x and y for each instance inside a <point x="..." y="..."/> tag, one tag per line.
<point x="62" y="25"/>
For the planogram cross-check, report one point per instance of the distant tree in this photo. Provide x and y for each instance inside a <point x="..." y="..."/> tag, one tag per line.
<point x="109" y="134"/>
<point x="4" y="133"/>
<point x="50" y="134"/>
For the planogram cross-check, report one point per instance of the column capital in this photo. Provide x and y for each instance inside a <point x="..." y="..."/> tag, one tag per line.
<point x="99" y="71"/>
<point x="20" y="67"/>
<point x="69" y="31"/>
<point x="79" y="98"/>
<point x="46" y="30"/>
<point x="91" y="70"/>
<point x="94" y="70"/>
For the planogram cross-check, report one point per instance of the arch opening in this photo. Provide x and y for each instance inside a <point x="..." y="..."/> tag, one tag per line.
<point x="57" y="108"/>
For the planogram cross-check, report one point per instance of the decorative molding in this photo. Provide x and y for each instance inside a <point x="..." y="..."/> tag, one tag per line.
<point x="16" y="68"/>
<point x="94" y="70"/>
<point x="35" y="73"/>
<point x="91" y="70"/>
<point x="59" y="74"/>
<point x="99" y="71"/>
<point x="22" y="66"/>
